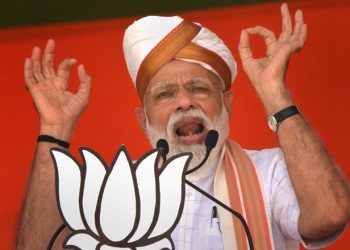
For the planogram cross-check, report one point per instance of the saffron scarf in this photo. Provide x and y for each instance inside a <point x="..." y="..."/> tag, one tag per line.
<point x="237" y="185"/>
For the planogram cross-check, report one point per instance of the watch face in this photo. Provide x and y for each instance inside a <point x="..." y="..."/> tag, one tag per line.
<point x="271" y="121"/>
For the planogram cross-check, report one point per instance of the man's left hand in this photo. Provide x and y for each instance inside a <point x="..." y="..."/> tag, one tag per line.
<point x="267" y="74"/>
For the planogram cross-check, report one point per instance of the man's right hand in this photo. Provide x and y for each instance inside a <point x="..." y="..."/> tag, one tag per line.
<point x="58" y="108"/>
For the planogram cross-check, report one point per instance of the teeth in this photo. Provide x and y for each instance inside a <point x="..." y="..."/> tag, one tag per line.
<point x="190" y="136"/>
<point x="189" y="131"/>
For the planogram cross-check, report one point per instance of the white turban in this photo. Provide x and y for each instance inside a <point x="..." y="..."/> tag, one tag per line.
<point x="153" y="41"/>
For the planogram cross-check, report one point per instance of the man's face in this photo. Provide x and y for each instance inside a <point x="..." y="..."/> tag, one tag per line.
<point x="182" y="102"/>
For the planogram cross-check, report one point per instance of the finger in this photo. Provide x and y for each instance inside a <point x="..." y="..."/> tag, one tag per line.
<point x="298" y="43"/>
<point x="36" y="67"/>
<point x="303" y="34"/>
<point x="85" y="85"/>
<point x="64" y="68"/>
<point x="286" y="23"/>
<point x="299" y="21"/>
<point x="28" y="74"/>
<point x="300" y="37"/>
<point x="268" y="35"/>
<point x="244" y="48"/>
<point x="48" y="59"/>
<point x="300" y="30"/>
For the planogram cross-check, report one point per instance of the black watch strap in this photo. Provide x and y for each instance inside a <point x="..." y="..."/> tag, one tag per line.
<point x="285" y="113"/>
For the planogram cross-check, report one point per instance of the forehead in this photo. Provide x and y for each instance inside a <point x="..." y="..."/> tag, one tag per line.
<point x="178" y="71"/>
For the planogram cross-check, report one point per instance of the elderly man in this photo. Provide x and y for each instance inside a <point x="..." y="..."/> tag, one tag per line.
<point x="182" y="72"/>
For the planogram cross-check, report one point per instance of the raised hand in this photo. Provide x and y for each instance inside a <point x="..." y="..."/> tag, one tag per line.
<point x="58" y="108"/>
<point x="267" y="73"/>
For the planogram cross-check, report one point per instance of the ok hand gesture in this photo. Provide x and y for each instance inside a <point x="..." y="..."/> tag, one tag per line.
<point x="58" y="108"/>
<point x="267" y="73"/>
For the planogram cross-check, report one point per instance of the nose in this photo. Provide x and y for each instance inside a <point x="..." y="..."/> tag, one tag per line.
<point x="183" y="100"/>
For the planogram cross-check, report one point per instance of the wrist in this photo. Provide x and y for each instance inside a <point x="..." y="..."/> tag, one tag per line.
<point x="51" y="139"/>
<point x="59" y="132"/>
<point x="275" y="99"/>
<point x="274" y="120"/>
<point x="277" y="105"/>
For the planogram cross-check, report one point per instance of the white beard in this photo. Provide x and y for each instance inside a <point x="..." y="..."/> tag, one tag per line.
<point x="220" y="123"/>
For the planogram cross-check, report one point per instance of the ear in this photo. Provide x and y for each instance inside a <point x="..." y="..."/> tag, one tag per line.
<point x="228" y="97"/>
<point x="141" y="118"/>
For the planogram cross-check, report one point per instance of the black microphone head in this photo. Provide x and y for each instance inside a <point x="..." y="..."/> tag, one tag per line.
<point x="211" y="139"/>
<point x="163" y="144"/>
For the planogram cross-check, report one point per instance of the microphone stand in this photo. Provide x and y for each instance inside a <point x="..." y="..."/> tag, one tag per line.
<point x="210" y="142"/>
<point x="235" y="213"/>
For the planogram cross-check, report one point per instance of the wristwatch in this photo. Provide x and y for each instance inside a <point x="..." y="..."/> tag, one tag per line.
<point x="274" y="120"/>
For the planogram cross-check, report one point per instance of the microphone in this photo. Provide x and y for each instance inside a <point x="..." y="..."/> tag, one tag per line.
<point x="210" y="142"/>
<point x="211" y="139"/>
<point x="164" y="146"/>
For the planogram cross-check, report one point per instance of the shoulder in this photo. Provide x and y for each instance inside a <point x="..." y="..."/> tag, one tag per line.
<point x="274" y="179"/>
<point x="269" y="163"/>
<point x="265" y="156"/>
<point x="278" y="192"/>
<point x="271" y="169"/>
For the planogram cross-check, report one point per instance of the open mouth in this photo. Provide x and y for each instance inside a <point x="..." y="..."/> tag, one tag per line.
<point x="190" y="131"/>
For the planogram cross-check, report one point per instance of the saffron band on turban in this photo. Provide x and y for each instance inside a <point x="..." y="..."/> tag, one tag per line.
<point x="182" y="41"/>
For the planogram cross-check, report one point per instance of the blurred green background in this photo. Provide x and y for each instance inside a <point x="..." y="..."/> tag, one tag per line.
<point x="30" y="12"/>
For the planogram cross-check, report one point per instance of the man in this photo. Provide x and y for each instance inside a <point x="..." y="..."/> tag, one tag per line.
<point x="294" y="194"/>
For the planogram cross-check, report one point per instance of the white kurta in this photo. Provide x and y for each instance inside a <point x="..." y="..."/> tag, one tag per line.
<point x="198" y="230"/>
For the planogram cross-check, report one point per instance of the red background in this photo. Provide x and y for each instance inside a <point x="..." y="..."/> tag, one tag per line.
<point x="318" y="78"/>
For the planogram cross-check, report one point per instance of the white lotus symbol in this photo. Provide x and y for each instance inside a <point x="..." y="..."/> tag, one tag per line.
<point x="126" y="206"/>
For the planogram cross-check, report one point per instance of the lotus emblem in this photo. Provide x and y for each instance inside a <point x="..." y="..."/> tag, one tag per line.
<point x="125" y="206"/>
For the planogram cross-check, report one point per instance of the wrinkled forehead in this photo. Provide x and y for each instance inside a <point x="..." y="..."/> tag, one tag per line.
<point x="181" y="72"/>
<point x="194" y="81"/>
